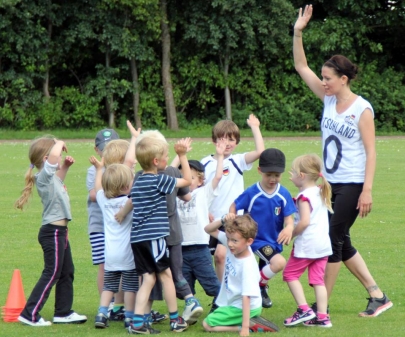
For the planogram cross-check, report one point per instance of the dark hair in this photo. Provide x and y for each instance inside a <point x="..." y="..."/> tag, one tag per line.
<point x="342" y="66"/>
<point x="225" y="128"/>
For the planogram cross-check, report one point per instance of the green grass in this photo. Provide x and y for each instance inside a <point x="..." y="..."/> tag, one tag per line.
<point x="379" y="238"/>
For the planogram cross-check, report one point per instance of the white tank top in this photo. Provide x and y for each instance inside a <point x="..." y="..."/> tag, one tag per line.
<point x="344" y="156"/>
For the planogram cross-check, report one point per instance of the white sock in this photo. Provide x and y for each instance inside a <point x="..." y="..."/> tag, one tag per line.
<point x="265" y="275"/>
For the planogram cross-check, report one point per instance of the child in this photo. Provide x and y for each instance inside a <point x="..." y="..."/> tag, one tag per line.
<point x="312" y="244"/>
<point x="150" y="226"/>
<point x="239" y="302"/>
<point x="272" y="207"/>
<point x="192" y="309"/>
<point x="112" y="190"/>
<point x="95" y="217"/>
<point x="193" y="214"/>
<point x="231" y="184"/>
<point x="45" y="154"/>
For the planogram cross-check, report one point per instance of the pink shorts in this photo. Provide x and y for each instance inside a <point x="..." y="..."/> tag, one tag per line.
<point x="296" y="267"/>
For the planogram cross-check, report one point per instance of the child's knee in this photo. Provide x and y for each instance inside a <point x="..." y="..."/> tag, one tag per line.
<point x="277" y="263"/>
<point x="206" y="326"/>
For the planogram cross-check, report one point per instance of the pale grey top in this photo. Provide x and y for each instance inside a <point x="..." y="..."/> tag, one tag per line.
<point x="95" y="215"/>
<point x="53" y="194"/>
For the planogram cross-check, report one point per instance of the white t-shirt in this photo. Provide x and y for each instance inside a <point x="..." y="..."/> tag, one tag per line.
<point x="344" y="155"/>
<point x="118" y="252"/>
<point x="241" y="278"/>
<point x="194" y="215"/>
<point x="314" y="241"/>
<point x="231" y="184"/>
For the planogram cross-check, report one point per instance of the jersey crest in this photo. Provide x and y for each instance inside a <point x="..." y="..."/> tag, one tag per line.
<point x="225" y="171"/>
<point x="277" y="210"/>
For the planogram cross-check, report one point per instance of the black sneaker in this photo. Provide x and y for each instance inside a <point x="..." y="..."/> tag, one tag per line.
<point x="178" y="325"/>
<point x="157" y="317"/>
<point x="213" y="305"/>
<point x="117" y="315"/>
<point x="314" y="308"/>
<point x="143" y="330"/>
<point x="101" y="321"/>
<point x="266" y="301"/>
<point x="376" y="306"/>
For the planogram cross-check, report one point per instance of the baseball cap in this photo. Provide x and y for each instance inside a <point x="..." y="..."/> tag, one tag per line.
<point x="196" y="165"/>
<point x="272" y="160"/>
<point x="104" y="136"/>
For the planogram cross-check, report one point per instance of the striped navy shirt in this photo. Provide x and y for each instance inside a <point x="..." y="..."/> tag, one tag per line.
<point x="149" y="218"/>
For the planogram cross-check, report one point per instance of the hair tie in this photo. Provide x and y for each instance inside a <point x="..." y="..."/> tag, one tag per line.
<point x="320" y="175"/>
<point x="32" y="166"/>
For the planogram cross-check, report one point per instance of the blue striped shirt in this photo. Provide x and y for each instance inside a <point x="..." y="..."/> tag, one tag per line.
<point x="149" y="218"/>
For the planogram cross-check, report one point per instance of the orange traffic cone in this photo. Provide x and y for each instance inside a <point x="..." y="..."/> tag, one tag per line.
<point x="15" y="300"/>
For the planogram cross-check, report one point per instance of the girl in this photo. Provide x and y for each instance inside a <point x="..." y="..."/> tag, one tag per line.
<point x="312" y="244"/>
<point x="45" y="154"/>
<point x="348" y="138"/>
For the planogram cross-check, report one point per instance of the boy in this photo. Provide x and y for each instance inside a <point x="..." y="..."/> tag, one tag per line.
<point x="150" y="226"/>
<point x="239" y="302"/>
<point x="272" y="207"/>
<point x="231" y="184"/>
<point x="193" y="214"/>
<point x="112" y="189"/>
<point x="192" y="308"/>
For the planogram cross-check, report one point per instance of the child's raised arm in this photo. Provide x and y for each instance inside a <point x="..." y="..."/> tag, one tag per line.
<point x="212" y="228"/>
<point x="54" y="155"/>
<point x="99" y="172"/>
<point x="122" y="213"/>
<point x="254" y="124"/>
<point x="220" y="149"/>
<point x="130" y="156"/>
<point x="181" y="149"/>
<point x="176" y="159"/>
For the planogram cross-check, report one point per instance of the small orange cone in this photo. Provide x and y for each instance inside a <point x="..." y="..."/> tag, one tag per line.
<point x="15" y="300"/>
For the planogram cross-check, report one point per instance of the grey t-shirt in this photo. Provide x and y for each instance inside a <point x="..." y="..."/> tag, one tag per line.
<point x="95" y="216"/>
<point x="176" y="236"/>
<point x="53" y="194"/>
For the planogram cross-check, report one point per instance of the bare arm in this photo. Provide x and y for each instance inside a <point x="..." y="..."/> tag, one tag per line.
<point x="130" y="156"/>
<point x="304" y="210"/>
<point x="244" y="331"/>
<point x="122" y="213"/>
<point x="212" y="227"/>
<point x="181" y="149"/>
<point x="254" y="124"/>
<point x="367" y="131"/>
<point x="99" y="172"/>
<point x="232" y="208"/>
<point x="185" y="198"/>
<point x="176" y="160"/>
<point x="300" y="60"/>
<point x="285" y="235"/>
<point x="220" y="149"/>
<point x="54" y="157"/>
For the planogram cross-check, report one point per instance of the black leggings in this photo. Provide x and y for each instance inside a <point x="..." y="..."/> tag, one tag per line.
<point x="344" y="202"/>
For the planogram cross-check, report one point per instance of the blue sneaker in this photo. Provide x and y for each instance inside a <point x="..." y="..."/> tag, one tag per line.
<point x="192" y="311"/>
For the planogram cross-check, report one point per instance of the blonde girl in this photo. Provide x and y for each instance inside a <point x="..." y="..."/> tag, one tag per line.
<point x="312" y="244"/>
<point x="45" y="154"/>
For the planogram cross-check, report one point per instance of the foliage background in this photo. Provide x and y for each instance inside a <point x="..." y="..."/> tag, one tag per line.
<point x="84" y="64"/>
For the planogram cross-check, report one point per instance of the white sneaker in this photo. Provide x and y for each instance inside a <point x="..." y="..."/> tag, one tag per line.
<point x="41" y="322"/>
<point x="192" y="312"/>
<point x="73" y="318"/>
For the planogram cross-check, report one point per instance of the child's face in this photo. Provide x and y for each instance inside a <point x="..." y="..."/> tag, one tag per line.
<point x="162" y="162"/>
<point x="237" y="244"/>
<point x="296" y="178"/>
<point x="195" y="180"/>
<point x="270" y="179"/>
<point x="230" y="145"/>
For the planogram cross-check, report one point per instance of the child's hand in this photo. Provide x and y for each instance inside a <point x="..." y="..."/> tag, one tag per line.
<point x="285" y="236"/>
<point x="220" y="146"/>
<point x="181" y="146"/>
<point x="253" y="121"/>
<point x="244" y="331"/>
<point x="187" y="142"/>
<point x="119" y="216"/>
<point x="134" y="133"/>
<point x="69" y="161"/>
<point x="97" y="164"/>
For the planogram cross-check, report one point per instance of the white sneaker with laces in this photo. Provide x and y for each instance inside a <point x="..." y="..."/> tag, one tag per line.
<point x="192" y="312"/>
<point x="73" y="318"/>
<point x="41" y="322"/>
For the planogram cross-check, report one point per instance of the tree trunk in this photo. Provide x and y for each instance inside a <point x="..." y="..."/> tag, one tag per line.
<point x="228" y="108"/>
<point x="109" y="100"/>
<point x="45" y="84"/>
<point x="135" y="95"/>
<point x="172" y="122"/>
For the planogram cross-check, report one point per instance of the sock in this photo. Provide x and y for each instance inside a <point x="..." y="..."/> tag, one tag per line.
<point x="265" y="275"/>
<point x="103" y="310"/>
<point x="321" y="316"/>
<point x="117" y="306"/>
<point x="137" y="321"/>
<point x="190" y="300"/>
<point x="304" y="307"/>
<point x="147" y="317"/>
<point x="129" y="314"/>
<point x="174" y="316"/>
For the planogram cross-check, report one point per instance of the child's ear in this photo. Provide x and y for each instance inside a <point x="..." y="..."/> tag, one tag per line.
<point x="249" y="241"/>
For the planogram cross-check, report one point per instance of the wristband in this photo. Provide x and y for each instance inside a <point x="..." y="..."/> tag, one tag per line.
<point x="223" y="220"/>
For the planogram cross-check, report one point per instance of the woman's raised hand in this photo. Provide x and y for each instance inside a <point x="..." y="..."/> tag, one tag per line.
<point x="303" y="18"/>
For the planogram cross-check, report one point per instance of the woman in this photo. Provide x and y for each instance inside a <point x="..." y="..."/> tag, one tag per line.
<point x="348" y="138"/>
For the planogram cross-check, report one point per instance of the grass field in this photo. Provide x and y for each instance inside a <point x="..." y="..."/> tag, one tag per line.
<point x="379" y="238"/>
